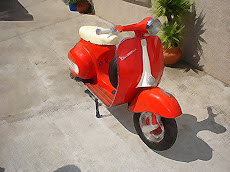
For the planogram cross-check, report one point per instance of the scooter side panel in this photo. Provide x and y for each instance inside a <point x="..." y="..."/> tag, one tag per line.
<point x="82" y="60"/>
<point x="91" y="59"/>
<point x="156" y="101"/>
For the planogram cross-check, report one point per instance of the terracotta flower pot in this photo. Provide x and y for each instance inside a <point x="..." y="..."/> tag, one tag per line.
<point x="83" y="7"/>
<point x="172" y="55"/>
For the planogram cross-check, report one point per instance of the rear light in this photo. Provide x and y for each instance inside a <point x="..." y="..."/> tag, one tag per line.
<point x="73" y="66"/>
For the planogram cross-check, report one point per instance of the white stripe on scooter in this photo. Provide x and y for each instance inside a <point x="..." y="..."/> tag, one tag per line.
<point x="147" y="80"/>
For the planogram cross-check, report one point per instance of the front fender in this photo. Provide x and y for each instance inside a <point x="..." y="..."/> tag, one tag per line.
<point x="156" y="101"/>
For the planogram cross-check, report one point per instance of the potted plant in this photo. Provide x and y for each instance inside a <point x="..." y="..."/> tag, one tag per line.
<point x="171" y="34"/>
<point x="171" y="37"/>
<point x="82" y="6"/>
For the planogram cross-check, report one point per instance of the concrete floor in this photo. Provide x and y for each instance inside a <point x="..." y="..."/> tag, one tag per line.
<point x="48" y="123"/>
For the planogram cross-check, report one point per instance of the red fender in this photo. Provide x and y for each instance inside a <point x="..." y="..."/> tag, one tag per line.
<point x="156" y="101"/>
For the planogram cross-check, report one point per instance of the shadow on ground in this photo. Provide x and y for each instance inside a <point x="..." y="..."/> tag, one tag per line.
<point x="188" y="146"/>
<point x="2" y="169"/>
<point x="12" y="10"/>
<point x="68" y="168"/>
<point x="183" y="65"/>
<point x="124" y="116"/>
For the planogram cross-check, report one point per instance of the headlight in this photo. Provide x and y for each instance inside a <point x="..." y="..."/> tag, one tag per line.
<point x="153" y="26"/>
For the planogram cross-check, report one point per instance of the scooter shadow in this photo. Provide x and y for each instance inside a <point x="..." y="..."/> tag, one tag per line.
<point x="188" y="147"/>
<point x="124" y="116"/>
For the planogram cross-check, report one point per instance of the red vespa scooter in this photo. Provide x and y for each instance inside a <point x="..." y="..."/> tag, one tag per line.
<point x="129" y="73"/>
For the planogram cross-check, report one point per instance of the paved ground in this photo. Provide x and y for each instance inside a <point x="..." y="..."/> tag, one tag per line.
<point x="47" y="122"/>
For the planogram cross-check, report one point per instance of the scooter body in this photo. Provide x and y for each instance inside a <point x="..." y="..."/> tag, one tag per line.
<point x="139" y="63"/>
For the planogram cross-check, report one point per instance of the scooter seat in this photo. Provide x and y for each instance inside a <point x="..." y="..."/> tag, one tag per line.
<point x="88" y="33"/>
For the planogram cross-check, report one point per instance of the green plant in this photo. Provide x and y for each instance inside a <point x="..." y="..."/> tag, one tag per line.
<point x="76" y="1"/>
<point x="171" y="35"/>
<point x="174" y="11"/>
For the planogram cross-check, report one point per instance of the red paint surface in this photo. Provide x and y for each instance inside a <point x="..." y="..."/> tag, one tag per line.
<point x="138" y="28"/>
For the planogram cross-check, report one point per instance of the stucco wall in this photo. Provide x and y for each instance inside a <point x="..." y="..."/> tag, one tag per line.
<point x="207" y="41"/>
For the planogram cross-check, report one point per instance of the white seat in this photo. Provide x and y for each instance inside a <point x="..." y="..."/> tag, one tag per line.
<point x="88" y="33"/>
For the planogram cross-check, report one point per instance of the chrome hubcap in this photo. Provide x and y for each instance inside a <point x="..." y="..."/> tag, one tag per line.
<point x="152" y="132"/>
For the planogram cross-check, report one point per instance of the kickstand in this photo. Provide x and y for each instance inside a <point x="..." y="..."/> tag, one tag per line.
<point x="96" y="103"/>
<point x="97" y="109"/>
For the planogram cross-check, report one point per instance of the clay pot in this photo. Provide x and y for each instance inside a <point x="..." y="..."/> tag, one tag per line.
<point x="83" y="7"/>
<point x="172" y="55"/>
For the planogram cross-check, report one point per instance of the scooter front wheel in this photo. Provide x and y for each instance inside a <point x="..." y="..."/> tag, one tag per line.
<point x="160" y="136"/>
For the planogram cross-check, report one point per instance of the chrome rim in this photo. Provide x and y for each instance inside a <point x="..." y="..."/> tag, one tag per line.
<point x="153" y="133"/>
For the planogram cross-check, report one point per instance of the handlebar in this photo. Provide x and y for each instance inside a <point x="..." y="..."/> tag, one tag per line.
<point x="106" y="31"/>
<point x="139" y="28"/>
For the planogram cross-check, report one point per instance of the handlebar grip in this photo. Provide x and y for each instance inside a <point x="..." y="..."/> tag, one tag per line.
<point x="103" y="31"/>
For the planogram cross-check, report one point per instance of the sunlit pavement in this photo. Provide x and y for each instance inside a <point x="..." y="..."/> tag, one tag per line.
<point x="48" y="123"/>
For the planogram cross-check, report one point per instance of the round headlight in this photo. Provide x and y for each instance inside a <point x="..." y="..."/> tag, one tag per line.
<point x="153" y="26"/>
